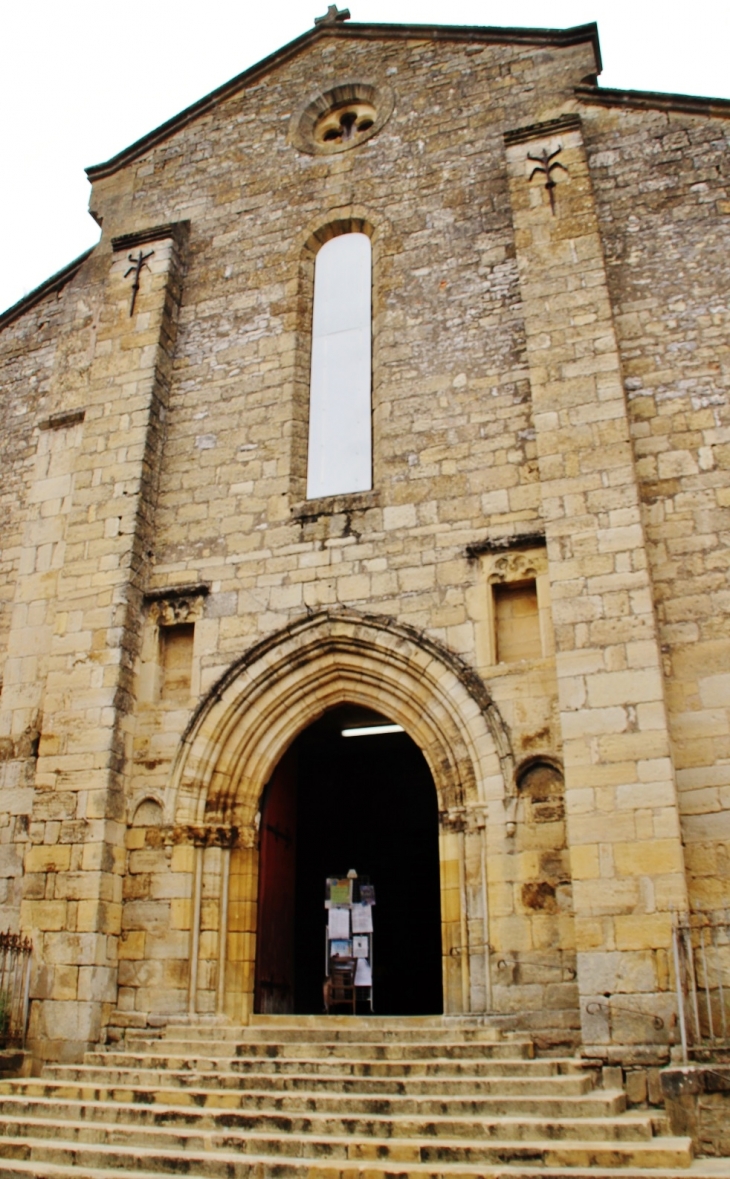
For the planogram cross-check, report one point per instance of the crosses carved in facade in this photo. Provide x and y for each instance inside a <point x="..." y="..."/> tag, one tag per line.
<point x="546" y="163"/>
<point x="136" y="270"/>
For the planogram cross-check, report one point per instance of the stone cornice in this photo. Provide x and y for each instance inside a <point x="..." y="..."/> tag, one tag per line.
<point x="650" y="100"/>
<point x="567" y="122"/>
<point x="195" y="589"/>
<point x="178" y="230"/>
<point x="501" y="544"/>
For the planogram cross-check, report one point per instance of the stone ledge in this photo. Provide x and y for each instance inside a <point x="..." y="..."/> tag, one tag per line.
<point x="567" y="122"/>
<point x="332" y="505"/>
<point x="63" y="419"/>
<point x="177" y="230"/>
<point x="503" y="544"/>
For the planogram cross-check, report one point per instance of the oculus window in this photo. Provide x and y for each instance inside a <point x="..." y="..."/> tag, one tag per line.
<point x="339" y="457"/>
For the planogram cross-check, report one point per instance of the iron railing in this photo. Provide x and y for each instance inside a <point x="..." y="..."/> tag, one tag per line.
<point x="15" y="956"/>
<point x="701" y="952"/>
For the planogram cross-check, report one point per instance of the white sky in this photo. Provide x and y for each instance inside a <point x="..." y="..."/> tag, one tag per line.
<point x="81" y="79"/>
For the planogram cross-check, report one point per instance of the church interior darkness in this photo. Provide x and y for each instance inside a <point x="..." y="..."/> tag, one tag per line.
<point x="336" y="803"/>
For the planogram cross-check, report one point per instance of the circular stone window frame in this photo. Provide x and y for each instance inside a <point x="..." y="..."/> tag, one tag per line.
<point x="338" y="95"/>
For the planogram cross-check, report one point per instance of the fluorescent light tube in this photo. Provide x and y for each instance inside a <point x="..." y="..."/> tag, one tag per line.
<point x="372" y="730"/>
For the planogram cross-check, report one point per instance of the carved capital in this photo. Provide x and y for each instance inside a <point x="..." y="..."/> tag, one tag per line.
<point x="516" y="566"/>
<point x="176" y="610"/>
<point x="207" y="836"/>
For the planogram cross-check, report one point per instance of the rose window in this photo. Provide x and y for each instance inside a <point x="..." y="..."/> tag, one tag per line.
<point x="345" y="124"/>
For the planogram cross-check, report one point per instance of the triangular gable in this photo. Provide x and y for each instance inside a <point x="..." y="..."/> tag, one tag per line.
<point x="560" y="38"/>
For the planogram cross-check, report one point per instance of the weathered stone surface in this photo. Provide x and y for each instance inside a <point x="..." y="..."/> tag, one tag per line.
<point x="697" y="1099"/>
<point x="550" y="453"/>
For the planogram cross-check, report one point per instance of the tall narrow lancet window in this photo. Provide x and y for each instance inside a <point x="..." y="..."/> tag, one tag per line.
<point x="340" y="430"/>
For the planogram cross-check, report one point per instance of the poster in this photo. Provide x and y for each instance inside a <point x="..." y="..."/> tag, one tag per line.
<point x="338" y="924"/>
<point x="362" y="919"/>
<point x="367" y="894"/>
<point x="360" y="946"/>
<point x="363" y="973"/>
<point x="338" y="890"/>
<point x="341" y="948"/>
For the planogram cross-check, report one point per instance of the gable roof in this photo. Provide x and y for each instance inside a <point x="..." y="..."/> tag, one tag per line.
<point x="473" y="34"/>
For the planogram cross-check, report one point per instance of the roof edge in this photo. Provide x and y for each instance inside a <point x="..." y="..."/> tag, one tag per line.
<point x="654" y="100"/>
<point x="472" y="33"/>
<point x="54" y="283"/>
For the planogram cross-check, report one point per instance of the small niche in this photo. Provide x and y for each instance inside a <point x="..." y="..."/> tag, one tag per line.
<point x="148" y="814"/>
<point x="517" y="621"/>
<point x="542" y="790"/>
<point x="176" y="660"/>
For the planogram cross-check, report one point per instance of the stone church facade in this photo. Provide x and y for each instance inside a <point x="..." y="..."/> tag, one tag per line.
<point x="533" y="585"/>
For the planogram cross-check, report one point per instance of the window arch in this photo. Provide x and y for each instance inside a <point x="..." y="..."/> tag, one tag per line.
<point x="339" y="453"/>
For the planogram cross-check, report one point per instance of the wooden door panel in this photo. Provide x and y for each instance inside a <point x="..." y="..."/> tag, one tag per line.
<point x="277" y="878"/>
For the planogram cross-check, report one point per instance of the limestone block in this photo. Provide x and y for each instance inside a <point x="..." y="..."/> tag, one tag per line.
<point x="132" y="944"/>
<point x="151" y="916"/>
<point x="72" y="1022"/>
<point x="97" y="983"/>
<point x="48" y="859"/>
<point x="613" y="972"/>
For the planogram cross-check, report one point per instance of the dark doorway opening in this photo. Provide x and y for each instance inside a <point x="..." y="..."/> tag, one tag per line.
<point x="335" y="803"/>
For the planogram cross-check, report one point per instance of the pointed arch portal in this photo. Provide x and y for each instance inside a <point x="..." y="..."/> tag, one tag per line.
<point x="268" y="709"/>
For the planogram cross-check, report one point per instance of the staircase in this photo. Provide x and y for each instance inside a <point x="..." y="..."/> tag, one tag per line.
<point x="330" y="1098"/>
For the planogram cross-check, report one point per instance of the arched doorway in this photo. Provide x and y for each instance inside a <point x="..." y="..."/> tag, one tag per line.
<point x="349" y="795"/>
<point x="240" y="733"/>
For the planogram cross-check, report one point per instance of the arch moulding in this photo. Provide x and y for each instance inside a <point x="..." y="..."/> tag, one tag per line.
<point x="285" y="682"/>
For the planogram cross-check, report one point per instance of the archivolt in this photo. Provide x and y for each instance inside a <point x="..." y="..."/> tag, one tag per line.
<point x="282" y="684"/>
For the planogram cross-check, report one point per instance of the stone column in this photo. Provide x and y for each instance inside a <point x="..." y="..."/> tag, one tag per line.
<point x="622" y="816"/>
<point x="75" y="860"/>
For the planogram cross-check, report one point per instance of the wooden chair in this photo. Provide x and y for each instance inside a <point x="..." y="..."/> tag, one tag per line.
<point x="339" y="987"/>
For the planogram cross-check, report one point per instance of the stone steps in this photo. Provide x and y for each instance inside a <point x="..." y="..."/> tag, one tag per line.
<point x="552" y="1105"/>
<point x="344" y="1035"/>
<point x="273" y="1168"/>
<point x="349" y="1049"/>
<point x="321" y="1129"/>
<point x="222" y="1156"/>
<point x="509" y="1079"/>
<point x="348" y="1103"/>
<point x="262" y="1169"/>
<point x="417" y="1067"/>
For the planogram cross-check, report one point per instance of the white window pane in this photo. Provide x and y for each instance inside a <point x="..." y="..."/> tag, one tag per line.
<point x="340" y="448"/>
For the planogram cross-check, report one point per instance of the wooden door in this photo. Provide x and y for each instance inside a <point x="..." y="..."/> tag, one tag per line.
<point x="277" y="877"/>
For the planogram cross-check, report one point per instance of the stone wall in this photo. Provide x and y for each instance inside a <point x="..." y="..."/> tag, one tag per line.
<point x="662" y="183"/>
<point x="549" y="413"/>
<point x="697" y="1099"/>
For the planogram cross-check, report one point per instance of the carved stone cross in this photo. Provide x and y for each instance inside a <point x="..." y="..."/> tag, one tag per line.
<point x="333" y="16"/>
<point x="546" y="164"/>
<point x="136" y="270"/>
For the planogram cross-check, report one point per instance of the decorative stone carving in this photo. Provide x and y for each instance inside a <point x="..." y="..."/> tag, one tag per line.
<point x="516" y="566"/>
<point x="207" y="836"/>
<point x="178" y="607"/>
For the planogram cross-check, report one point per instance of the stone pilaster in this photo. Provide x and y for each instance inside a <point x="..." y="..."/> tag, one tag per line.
<point x="623" y="824"/>
<point x="75" y="859"/>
